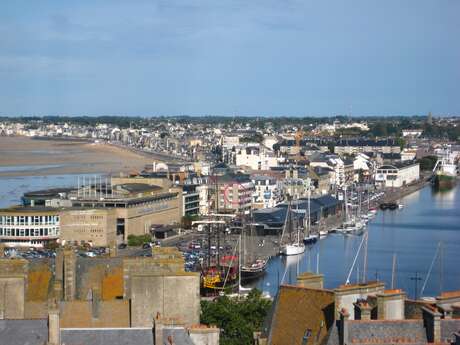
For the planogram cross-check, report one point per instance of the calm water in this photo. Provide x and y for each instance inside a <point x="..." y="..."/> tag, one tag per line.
<point x="12" y="188"/>
<point x="412" y="233"/>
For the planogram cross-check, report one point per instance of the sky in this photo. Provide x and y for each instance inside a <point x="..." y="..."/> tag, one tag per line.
<point x="218" y="57"/>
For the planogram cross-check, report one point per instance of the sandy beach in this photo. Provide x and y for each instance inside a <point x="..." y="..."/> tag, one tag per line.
<point x="23" y="156"/>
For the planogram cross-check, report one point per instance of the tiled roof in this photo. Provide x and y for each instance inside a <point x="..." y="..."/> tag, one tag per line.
<point x="299" y="309"/>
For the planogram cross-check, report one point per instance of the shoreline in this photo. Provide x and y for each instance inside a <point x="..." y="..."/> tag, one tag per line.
<point x="63" y="157"/>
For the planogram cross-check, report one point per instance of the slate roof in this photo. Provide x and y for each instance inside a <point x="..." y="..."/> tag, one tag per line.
<point x="387" y="332"/>
<point x="24" y="332"/>
<point x="178" y="335"/>
<point x="448" y="328"/>
<point x="276" y="215"/>
<point x="106" y="336"/>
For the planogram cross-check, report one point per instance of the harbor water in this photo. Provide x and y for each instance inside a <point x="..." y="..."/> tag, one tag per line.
<point x="412" y="235"/>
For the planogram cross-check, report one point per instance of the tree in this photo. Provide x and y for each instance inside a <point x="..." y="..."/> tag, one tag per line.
<point x="238" y="318"/>
<point x="136" y="241"/>
<point x="427" y="163"/>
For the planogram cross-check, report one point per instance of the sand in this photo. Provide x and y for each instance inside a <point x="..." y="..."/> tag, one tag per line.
<point x="46" y="157"/>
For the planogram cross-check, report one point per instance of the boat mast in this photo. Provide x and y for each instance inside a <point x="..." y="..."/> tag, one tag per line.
<point x="393" y="269"/>
<point x="309" y="217"/>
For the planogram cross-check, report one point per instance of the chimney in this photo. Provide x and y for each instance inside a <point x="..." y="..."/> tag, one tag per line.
<point x="362" y="310"/>
<point x="204" y="335"/>
<point x="95" y="302"/>
<point x="343" y="326"/>
<point x="310" y="280"/>
<point x="54" y="329"/>
<point x="70" y="267"/>
<point x="57" y="289"/>
<point x="390" y="305"/>
<point x="432" y="323"/>
<point x="158" y="329"/>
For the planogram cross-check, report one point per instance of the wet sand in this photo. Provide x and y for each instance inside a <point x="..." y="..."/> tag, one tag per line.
<point x="23" y="156"/>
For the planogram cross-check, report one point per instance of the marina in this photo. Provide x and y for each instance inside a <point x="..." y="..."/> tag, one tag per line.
<point x="411" y="234"/>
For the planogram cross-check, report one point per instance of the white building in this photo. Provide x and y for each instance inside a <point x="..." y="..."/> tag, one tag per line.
<point x="397" y="175"/>
<point x="414" y="133"/>
<point x="265" y="193"/>
<point x="255" y="158"/>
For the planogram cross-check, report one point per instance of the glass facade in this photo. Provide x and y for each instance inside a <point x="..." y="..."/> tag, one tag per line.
<point x="29" y="226"/>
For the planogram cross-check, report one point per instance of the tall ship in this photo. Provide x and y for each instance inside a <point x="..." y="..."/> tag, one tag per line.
<point x="445" y="171"/>
<point x="252" y="267"/>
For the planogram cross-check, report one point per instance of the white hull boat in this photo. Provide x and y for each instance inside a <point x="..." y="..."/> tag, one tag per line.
<point x="293" y="249"/>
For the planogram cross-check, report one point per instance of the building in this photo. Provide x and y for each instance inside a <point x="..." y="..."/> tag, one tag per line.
<point x="397" y="175"/>
<point x="270" y="221"/>
<point x="102" y="217"/>
<point x="29" y="226"/>
<point x="363" y="313"/>
<point x="235" y="193"/>
<point x="101" y="301"/>
<point x="191" y="200"/>
<point x="98" y="214"/>
<point x="266" y="192"/>
<point x="255" y="157"/>
<point x="412" y="133"/>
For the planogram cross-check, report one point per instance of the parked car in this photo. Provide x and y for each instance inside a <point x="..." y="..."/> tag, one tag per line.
<point x="122" y="246"/>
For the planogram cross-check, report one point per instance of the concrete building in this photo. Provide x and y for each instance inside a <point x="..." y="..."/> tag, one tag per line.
<point x="101" y="301"/>
<point x="29" y="226"/>
<point x="98" y="214"/>
<point x="397" y="175"/>
<point x="130" y="208"/>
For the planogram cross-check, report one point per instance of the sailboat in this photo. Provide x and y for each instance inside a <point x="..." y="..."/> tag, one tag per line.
<point x="251" y="270"/>
<point x="292" y="246"/>
<point x="241" y="289"/>
<point x="309" y="238"/>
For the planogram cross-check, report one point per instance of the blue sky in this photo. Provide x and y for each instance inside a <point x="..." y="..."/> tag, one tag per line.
<point x="248" y="57"/>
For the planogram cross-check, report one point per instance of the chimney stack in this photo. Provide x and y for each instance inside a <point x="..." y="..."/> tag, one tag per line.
<point x="390" y="305"/>
<point x="362" y="310"/>
<point x="343" y="326"/>
<point x="54" y="329"/>
<point x="432" y="323"/>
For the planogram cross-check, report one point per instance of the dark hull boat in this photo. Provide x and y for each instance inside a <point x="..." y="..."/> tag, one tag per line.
<point x="253" y="271"/>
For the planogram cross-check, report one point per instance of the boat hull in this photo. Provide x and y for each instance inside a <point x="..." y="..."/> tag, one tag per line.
<point x="444" y="181"/>
<point x="292" y="249"/>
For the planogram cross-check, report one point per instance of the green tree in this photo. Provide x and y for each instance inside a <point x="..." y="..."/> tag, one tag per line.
<point x="139" y="240"/>
<point x="428" y="162"/>
<point x="238" y="318"/>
